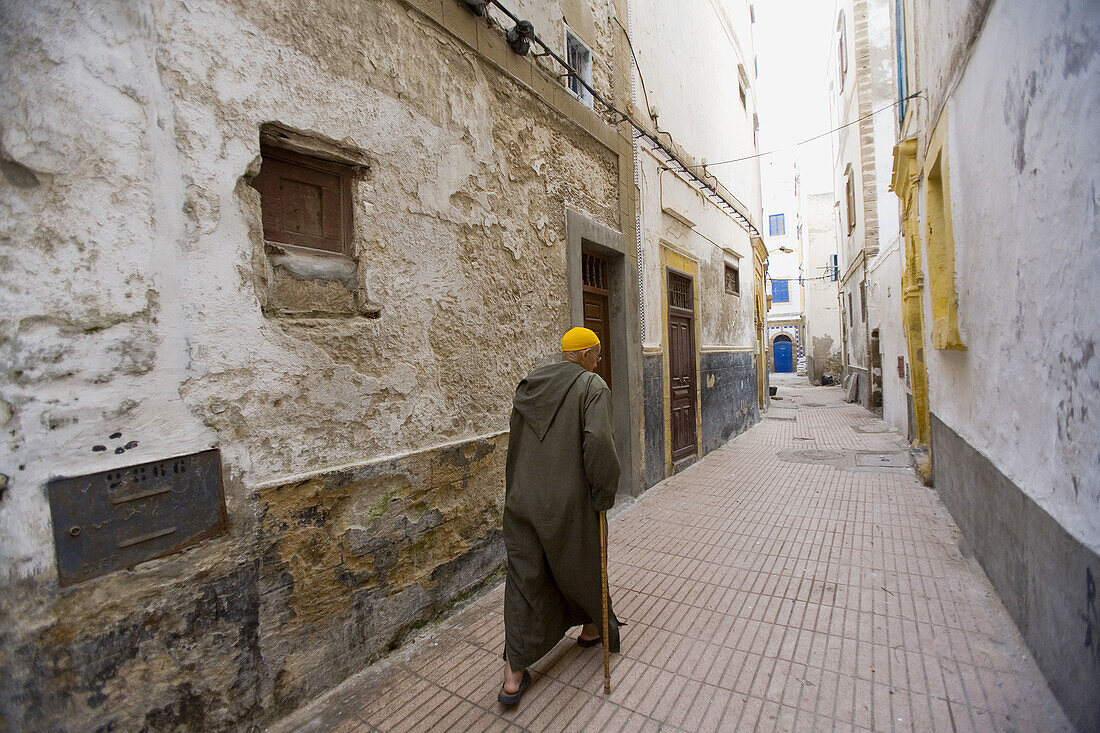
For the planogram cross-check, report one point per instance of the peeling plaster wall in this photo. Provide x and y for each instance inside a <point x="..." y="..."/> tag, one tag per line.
<point x="678" y="46"/>
<point x="724" y="319"/>
<point x="1023" y="183"/>
<point x="363" y="456"/>
<point x="1014" y="90"/>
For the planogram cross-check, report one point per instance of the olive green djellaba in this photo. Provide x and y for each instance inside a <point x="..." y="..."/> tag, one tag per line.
<point x="562" y="471"/>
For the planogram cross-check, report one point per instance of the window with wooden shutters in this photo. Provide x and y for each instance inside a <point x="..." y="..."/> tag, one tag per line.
<point x="305" y="202"/>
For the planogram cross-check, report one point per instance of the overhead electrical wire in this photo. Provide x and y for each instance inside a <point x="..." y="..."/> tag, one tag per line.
<point x="914" y="95"/>
<point x="671" y="158"/>
<point x="733" y="208"/>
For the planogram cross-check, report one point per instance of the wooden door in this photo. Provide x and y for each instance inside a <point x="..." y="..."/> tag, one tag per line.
<point x="597" y="315"/>
<point x="681" y="365"/>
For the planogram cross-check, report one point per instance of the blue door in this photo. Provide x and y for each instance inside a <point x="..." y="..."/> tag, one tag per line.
<point x="784" y="358"/>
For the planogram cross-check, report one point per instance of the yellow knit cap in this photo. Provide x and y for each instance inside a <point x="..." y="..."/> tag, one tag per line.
<point x="579" y="339"/>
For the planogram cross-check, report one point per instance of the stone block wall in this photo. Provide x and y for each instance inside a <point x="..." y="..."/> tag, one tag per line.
<point x="336" y="568"/>
<point x="359" y="409"/>
<point x="727" y="396"/>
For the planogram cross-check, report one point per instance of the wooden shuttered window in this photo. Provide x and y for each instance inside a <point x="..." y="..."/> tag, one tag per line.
<point x="306" y="202"/>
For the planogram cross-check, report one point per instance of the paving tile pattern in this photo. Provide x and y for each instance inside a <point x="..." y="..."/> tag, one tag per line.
<point x="761" y="593"/>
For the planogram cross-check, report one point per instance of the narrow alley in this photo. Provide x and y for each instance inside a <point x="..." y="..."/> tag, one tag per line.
<point x="798" y="578"/>
<point x="323" y="324"/>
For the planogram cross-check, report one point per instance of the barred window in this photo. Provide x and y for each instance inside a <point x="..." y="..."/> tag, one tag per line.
<point x="733" y="279"/>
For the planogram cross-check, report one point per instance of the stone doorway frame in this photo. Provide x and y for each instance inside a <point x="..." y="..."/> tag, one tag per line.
<point x="582" y="233"/>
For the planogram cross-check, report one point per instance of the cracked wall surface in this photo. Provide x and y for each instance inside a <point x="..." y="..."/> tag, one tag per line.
<point x="1015" y="422"/>
<point x="362" y="439"/>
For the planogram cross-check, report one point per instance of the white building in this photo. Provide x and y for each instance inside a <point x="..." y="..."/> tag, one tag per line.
<point x="821" y="312"/>
<point x="862" y="81"/>
<point x="701" y="296"/>
<point x="998" y="172"/>
<point x="783" y="239"/>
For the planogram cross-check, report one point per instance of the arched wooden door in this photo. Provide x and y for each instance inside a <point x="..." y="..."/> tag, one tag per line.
<point x="783" y="353"/>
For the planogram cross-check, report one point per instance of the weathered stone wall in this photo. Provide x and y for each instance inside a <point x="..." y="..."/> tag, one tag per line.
<point x="362" y="434"/>
<point x="654" y="396"/>
<point x="728" y="399"/>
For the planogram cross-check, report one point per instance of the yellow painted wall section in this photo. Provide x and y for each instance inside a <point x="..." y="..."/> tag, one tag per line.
<point x="941" y="245"/>
<point x="904" y="185"/>
<point x="759" y="255"/>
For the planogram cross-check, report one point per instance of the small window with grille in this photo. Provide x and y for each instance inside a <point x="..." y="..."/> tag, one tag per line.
<point x="594" y="271"/>
<point x="580" y="60"/>
<point x="733" y="279"/>
<point x="679" y="291"/>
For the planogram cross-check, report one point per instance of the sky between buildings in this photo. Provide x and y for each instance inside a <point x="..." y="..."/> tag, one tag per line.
<point x="793" y="48"/>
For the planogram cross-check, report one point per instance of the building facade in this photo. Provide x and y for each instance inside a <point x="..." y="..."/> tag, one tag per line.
<point x="862" y="81"/>
<point x="271" y="276"/>
<point x="702" y="260"/>
<point x="783" y="239"/>
<point x="997" y="170"/>
<point x="822" y="306"/>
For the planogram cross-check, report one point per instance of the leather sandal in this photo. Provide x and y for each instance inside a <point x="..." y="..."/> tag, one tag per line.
<point x="511" y="698"/>
<point x="589" y="643"/>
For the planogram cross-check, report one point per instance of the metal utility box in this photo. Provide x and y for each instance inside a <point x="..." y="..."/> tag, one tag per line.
<point x="116" y="519"/>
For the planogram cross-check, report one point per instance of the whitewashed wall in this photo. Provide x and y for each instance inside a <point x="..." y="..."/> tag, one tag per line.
<point x="679" y="47"/>
<point x="885" y="297"/>
<point x="1024" y="162"/>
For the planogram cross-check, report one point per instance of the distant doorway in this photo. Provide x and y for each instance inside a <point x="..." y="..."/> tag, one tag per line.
<point x="597" y="316"/>
<point x="681" y="365"/>
<point x="783" y="353"/>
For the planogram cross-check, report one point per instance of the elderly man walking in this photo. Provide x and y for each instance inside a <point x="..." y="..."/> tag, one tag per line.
<point x="562" y="471"/>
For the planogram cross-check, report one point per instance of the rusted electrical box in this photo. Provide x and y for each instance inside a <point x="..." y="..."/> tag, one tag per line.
<point x="116" y="519"/>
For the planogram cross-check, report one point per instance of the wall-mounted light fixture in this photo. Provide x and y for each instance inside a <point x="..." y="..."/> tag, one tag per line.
<point x="477" y="7"/>
<point x="519" y="36"/>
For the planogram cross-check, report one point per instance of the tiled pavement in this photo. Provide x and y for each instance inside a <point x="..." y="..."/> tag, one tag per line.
<point x="791" y="580"/>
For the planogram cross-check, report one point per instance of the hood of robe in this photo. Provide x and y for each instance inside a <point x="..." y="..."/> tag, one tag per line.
<point x="540" y="394"/>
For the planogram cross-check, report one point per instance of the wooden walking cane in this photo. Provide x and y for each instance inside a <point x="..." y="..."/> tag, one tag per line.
<point x="603" y="583"/>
